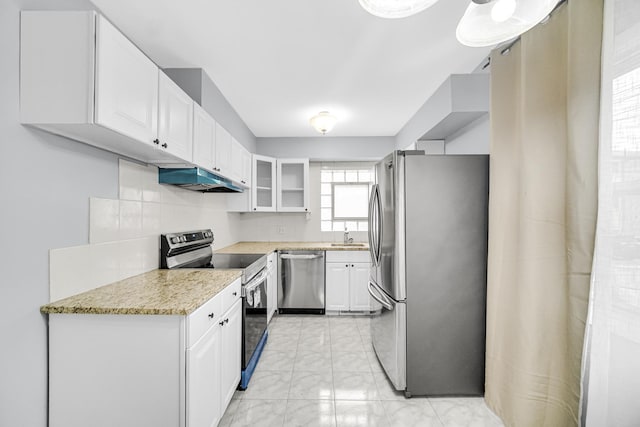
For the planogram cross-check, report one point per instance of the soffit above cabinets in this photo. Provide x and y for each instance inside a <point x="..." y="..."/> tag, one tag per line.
<point x="460" y="100"/>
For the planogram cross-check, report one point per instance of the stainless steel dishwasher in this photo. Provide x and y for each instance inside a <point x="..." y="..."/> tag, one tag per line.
<point x="301" y="282"/>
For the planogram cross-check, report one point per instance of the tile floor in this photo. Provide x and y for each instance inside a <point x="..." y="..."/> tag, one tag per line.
<point x="321" y="371"/>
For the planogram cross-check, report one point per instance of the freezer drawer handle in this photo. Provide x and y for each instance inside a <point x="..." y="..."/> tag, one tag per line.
<point x="289" y="256"/>
<point x="376" y="296"/>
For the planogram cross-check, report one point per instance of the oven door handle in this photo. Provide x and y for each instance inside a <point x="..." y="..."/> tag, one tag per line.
<point x="255" y="282"/>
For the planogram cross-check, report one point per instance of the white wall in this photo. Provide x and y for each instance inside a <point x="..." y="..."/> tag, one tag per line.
<point x="124" y="232"/>
<point x="46" y="182"/>
<point x="204" y="91"/>
<point x="263" y="226"/>
<point x="326" y="148"/>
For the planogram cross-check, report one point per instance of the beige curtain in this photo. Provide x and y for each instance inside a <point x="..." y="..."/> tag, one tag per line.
<point x="543" y="201"/>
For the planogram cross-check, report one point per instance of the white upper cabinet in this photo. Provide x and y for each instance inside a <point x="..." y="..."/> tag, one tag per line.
<point x="236" y="160"/>
<point x="247" y="178"/>
<point x="126" y="85"/>
<point x="83" y="79"/>
<point x="263" y="190"/>
<point x="175" y="126"/>
<point x="240" y="164"/>
<point x="204" y="138"/>
<point x="223" y="152"/>
<point x="293" y="185"/>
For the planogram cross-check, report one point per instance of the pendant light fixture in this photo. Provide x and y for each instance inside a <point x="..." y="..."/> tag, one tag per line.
<point x="395" y="8"/>
<point x="323" y="122"/>
<point x="489" y="22"/>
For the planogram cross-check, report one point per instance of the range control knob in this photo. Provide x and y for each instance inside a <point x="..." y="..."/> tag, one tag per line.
<point x="175" y="240"/>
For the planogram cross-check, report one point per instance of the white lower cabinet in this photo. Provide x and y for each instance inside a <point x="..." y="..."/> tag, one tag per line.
<point x="203" y="380"/>
<point x="146" y="370"/>
<point x="213" y="368"/>
<point x="231" y="360"/>
<point x="347" y="277"/>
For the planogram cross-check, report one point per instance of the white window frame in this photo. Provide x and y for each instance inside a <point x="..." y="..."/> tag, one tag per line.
<point x="336" y="174"/>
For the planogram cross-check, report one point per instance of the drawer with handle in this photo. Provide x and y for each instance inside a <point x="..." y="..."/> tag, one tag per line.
<point x="231" y="294"/>
<point x="203" y="318"/>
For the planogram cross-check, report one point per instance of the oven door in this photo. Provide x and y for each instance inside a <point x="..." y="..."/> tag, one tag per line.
<point x="254" y="314"/>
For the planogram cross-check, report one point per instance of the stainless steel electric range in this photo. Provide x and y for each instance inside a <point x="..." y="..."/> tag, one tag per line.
<point x="192" y="249"/>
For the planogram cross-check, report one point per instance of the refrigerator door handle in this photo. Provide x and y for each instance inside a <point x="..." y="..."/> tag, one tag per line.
<point x="372" y="250"/>
<point x="378" y="296"/>
<point x="379" y="229"/>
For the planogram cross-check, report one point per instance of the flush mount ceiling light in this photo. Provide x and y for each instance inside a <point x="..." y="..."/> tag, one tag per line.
<point x="395" y="8"/>
<point x="323" y="122"/>
<point x="489" y="22"/>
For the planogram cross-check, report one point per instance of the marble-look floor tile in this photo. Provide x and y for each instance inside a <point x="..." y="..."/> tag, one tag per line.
<point x="354" y="386"/>
<point x="344" y="330"/>
<point x="260" y="413"/>
<point x="346" y="343"/>
<point x="374" y="363"/>
<point x="268" y="384"/>
<point x="315" y="322"/>
<point x="284" y="329"/>
<point x="464" y="412"/>
<point x="313" y="361"/>
<point x="386" y="390"/>
<point x="287" y="322"/>
<point x="276" y="360"/>
<point x="227" y="417"/>
<point x="319" y="341"/>
<point x="282" y="343"/>
<point x="311" y="386"/>
<point x="350" y="362"/>
<point x="414" y="412"/>
<point x="310" y="413"/>
<point x="361" y="413"/>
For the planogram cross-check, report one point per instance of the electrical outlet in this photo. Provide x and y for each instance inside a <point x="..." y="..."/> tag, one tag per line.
<point x="281" y="229"/>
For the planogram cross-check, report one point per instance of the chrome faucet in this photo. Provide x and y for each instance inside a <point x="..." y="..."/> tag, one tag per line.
<point x="347" y="239"/>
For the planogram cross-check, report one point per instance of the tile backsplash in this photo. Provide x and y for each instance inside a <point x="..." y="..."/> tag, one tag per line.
<point x="124" y="233"/>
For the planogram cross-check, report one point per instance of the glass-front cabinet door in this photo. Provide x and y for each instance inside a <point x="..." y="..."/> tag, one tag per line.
<point x="263" y="190"/>
<point x="293" y="185"/>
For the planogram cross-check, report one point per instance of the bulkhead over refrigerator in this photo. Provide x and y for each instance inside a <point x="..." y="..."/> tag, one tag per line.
<point x="428" y="243"/>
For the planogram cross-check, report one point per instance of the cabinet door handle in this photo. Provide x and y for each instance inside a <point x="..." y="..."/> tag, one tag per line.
<point x="352" y="265"/>
<point x="235" y="294"/>
<point x="211" y="315"/>
<point x="165" y="145"/>
<point x="156" y="141"/>
<point x="226" y="320"/>
<point x="346" y="265"/>
<point x="221" y="323"/>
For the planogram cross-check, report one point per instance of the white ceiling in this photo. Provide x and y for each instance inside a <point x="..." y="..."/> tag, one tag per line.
<point x="278" y="62"/>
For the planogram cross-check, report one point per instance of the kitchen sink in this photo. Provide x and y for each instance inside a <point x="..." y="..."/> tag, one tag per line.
<point x="349" y="244"/>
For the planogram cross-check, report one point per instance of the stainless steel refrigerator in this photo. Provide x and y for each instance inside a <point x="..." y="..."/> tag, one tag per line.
<point x="428" y="243"/>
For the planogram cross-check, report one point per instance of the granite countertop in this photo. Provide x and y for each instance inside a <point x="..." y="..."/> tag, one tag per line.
<point x="268" y="247"/>
<point x="173" y="292"/>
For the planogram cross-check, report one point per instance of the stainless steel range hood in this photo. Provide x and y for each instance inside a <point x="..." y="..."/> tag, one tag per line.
<point x="196" y="179"/>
